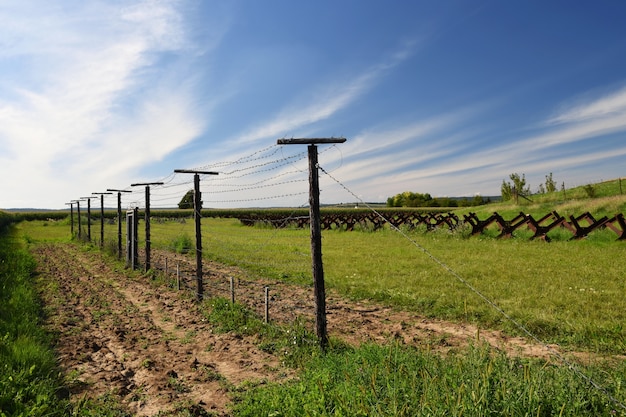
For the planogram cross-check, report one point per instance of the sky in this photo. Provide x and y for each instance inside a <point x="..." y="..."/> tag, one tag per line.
<point x="441" y="97"/>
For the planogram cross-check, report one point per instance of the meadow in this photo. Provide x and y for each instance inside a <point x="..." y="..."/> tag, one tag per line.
<point x="564" y="292"/>
<point x="567" y="292"/>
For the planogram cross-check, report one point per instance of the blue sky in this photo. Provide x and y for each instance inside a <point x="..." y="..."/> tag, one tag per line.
<point x="439" y="97"/>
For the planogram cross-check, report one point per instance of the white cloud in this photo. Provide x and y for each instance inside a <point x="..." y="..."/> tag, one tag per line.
<point x="409" y="165"/>
<point x="84" y="101"/>
<point x="326" y="102"/>
<point x="609" y="106"/>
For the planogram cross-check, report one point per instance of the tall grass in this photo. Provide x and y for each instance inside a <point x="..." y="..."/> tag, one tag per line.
<point x="396" y="380"/>
<point x="29" y="379"/>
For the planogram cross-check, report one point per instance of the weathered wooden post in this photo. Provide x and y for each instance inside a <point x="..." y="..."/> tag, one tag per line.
<point x="71" y="218"/>
<point x="267" y="305"/>
<point x="197" y="215"/>
<point x="77" y="202"/>
<point x="101" y="217"/>
<point x="316" y="232"/>
<point x="147" y="218"/>
<point x="132" y="239"/>
<point x="88" y="216"/>
<point x="119" y="219"/>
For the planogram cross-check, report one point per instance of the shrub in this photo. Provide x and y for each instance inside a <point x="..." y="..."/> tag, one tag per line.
<point x="181" y="244"/>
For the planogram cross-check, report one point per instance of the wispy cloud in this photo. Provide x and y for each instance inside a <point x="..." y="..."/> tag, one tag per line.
<point x="613" y="104"/>
<point x="327" y="100"/>
<point x="93" y="100"/>
<point x="429" y="155"/>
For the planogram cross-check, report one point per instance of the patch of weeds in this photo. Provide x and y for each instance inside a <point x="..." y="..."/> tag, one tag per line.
<point x="187" y="409"/>
<point x="99" y="314"/>
<point x="106" y="405"/>
<point x="228" y="317"/>
<point x="143" y="342"/>
<point x="138" y="394"/>
<point x="168" y="337"/>
<point x="176" y="384"/>
<point x="209" y="374"/>
<point x="181" y="244"/>
<point x="147" y="363"/>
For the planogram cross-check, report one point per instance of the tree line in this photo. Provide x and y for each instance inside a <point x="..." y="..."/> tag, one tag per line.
<point x="412" y="199"/>
<point x="514" y="189"/>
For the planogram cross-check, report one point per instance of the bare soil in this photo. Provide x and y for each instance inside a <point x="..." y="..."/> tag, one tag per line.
<point x="123" y="334"/>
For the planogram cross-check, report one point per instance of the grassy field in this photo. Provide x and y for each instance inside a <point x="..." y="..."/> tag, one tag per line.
<point x="29" y="381"/>
<point x="565" y="292"/>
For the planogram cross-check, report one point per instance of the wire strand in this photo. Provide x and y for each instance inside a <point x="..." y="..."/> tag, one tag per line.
<point x="489" y="302"/>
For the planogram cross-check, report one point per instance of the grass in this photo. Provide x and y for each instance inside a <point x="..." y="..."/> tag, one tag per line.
<point x="28" y="377"/>
<point x="569" y="292"/>
<point x="294" y="343"/>
<point x="565" y="292"/>
<point x="397" y="380"/>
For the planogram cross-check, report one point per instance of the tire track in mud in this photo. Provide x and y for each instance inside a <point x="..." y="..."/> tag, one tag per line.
<point x="144" y="344"/>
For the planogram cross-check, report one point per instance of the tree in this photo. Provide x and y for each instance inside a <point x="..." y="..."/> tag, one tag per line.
<point x="516" y="189"/>
<point x="550" y="184"/>
<point x="410" y="199"/>
<point x="187" y="201"/>
<point x="505" y="191"/>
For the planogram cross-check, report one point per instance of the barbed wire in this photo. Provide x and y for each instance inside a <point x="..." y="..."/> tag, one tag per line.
<point x="475" y="290"/>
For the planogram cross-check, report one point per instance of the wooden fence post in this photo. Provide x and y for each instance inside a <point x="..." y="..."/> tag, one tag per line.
<point x="267" y="305"/>
<point x="316" y="233"/>
<point x="119" y="219"/>
<point x="197" y="215"/>
<point x="101" y="217"/>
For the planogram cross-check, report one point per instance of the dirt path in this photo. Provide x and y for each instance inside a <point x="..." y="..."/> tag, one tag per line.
<point x="148" y="345"/>
<point x="142" y="343"/>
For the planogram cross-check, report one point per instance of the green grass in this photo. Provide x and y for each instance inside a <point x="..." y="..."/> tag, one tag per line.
<point x="28" y="376"/>
<point x="566" y="292"/>
<point x="397" y="380"/>
<point x="294" y="343"/>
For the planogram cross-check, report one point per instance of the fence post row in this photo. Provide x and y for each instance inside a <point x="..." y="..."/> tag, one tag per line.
<point x="197" y="207"/>
<point x="316" y="232"/>
<point x="101" y="217"/>
<point x="119" y="219"/>
<point x="71" y="218"/>
<point x="77" y="202"/>
<point x="147" y="217"/>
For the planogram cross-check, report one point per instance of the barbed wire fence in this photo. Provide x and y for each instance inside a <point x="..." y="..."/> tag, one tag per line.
<point x="265" y="178"/>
